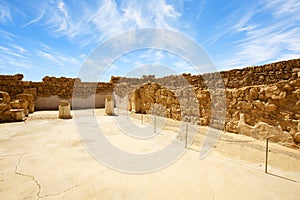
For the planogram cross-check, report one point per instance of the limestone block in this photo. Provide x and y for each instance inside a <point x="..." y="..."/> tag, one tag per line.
<point x="109" y="105"/>
<point x="274" y="92"/>
<point x="64" y="110"/>
<point x="297" y="137"/>
<point x="32" y="91"/>
<point x="253" y="93"/>
<point x="17" y="114"/>
<point x="4" y="106"/>
<point x="244" y="105"/>
<point x="15" y="104"/>
<point x="270" y="107"/>
<point x="20" y="104"/>
<point x="263" y="130"/>
<point x="30" y="99"/>
<point x="24" y="105"/>
<point x="297" y="92"/>
<point x="231" y="127"/>
<point x="5" y="97"/>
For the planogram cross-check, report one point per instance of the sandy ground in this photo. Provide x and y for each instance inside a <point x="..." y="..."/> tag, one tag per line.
<point x="44" y="159"/>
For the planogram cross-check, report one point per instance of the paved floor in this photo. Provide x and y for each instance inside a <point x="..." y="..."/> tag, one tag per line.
<point x="44" y="159"/>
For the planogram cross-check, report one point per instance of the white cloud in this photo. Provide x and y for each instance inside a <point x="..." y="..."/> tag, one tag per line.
<point x="61" y="6"/>
<point x="283" y="7"/>
<point x="5" y="13"/>
<point x="44" y="46"/>
<point x="57" y="57"/>
<point x="107" y="20"/>
<point x="14" y="56"/>
<point x="10" y="52"/>
<point x="151" y="14"/>
<point x="152" y="55"/>
<point x="269" y="39"/>
<point x="22" y="65"/>
<point x="47" y="55"/>
<point x="36" y="19"/>
<point x="19" y="48"/>
<point x="7" y="35"/>
<point x="93" y="23"/>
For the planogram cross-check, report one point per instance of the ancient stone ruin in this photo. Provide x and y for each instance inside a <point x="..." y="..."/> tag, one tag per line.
<point x="260" y="101"/>
<point x="109" y="105"/>
<point x="64" y="110"/>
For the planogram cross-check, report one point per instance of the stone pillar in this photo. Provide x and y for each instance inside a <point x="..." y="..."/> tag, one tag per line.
<point x="64" y="110"/>
<point x="109" y="105"/>
<point x="136" y="102"/>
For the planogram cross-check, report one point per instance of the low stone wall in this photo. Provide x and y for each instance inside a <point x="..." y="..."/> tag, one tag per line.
<point x="236" y="78"/>
<point x="13" y="85"/>
<point x="51" y="90"/>
<point x="269" y="100"/>
<point x="276" y="105"/>
<point x="265" y="96"/>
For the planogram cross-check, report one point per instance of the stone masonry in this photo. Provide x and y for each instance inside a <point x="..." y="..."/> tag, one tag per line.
<point x="258" y="99"/>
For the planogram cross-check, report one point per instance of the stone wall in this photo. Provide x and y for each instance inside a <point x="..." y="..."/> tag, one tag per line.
<point x="266" y="96"/>
<point x="13" y="85"/>
<point x="256" y="98"/>
<point x="51" y="90"/>
<point x="236" y="78"/>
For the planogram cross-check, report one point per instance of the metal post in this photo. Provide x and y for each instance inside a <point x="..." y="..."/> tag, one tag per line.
<point x="186" y="134"/>
<point x="154" y="124"/>
<point x="267" y="151"/>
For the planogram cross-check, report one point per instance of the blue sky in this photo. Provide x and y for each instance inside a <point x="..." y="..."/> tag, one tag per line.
<point x="55" y="37"/>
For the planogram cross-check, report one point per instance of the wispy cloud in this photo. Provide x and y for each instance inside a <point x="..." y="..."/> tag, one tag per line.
<point x="57" y="57"/>
<point x="280" y="8"/>
<point x="35" y="20"/>
<point x="236" y="22"/>
<point x="266" y="40"/>
<point x="7" y="35"/>
<point x="11" y="52"/>
<point x="151" y="14"/>
<point x="14" y="56"/>
<point x="152" y="55"/>
<point x="19" y="48"/>
<point x="44" y="46"/>
<point x="200" y="8"/>
<point x="46" y="55"/>
<point x="5" y="13"/>
<point x="105" y="18"/>
<point x="18" y="57"/>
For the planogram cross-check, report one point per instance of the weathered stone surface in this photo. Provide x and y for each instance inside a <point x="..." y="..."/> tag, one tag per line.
<point x="17" y="114"/>
<point x="268" y="94"/>
<point x="29" y="98"/>
<point x="109" y="105"/>
<point x="253" y="93"/>
<point x="274" y="92"/>
<point x="270" y="107"/>
<point x="64" y="110"/>
<point x="5" y="98"/>
<point x="297" y="137"/>
<point x="263" y="130"/>
<point x="4" y="106"/>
